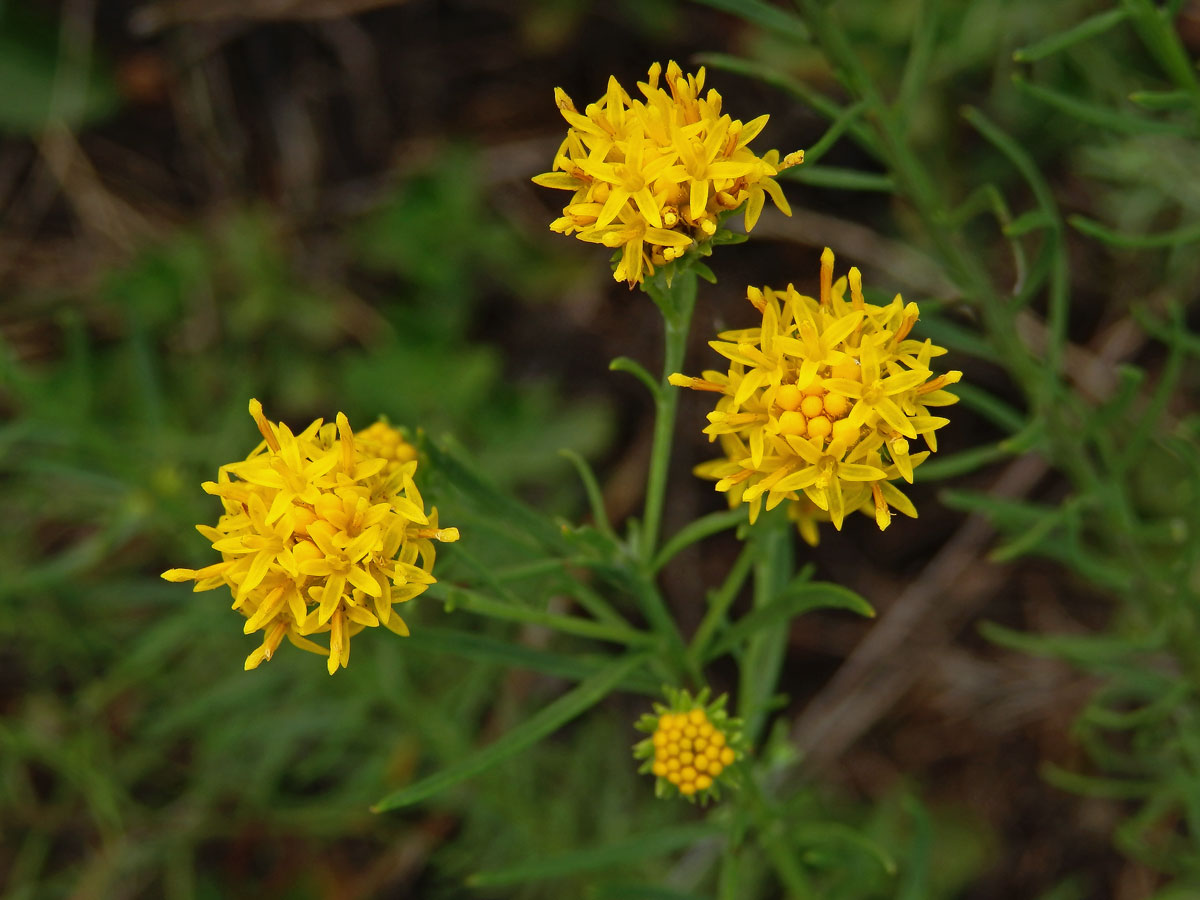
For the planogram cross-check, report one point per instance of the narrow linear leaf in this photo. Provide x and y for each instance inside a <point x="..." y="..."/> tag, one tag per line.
<point x="764" y="15"/>
<point x="598" y="859"/>
<point x="1162" y="100"/>
<point x="1087" y="650"/>
<point x="1034" y="220"/>
<point x="1085" y="30"/>
<point x="956" y="337"/>
<point x="1091" y="786"/>
<point x="594" y="494"/>
<point x="990" y="407"/>
<point x="1015" y="515"/>
<point x="839" y="178"/>
<point x="1186" y="235"/>
<point x="1162" y="40"/>
<point x="456" y="597"/>
<point x="1095" y="114"/>
<point x="916" y="67"/>
<point x="796" y="88"/>
<point x="790" y="603"/>
<point x="914" y="882"/>
<point x="817" y="834"/>
<point x="705" y="526"/>
<point x="453" y="462"/>
<point x="534" y="729"/>
<point x="638" y="371"/>
<point x="487" y="649"/>
<point x="837" y="128"/>
<point x="962" y="463"/>
<point x="1154" y="711"/>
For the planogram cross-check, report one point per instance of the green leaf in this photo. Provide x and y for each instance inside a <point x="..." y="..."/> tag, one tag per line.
<point x="638" y="371"/>
<point x="453" y="462"/>
<point x="799" y="89"/>
<point x="1090" y="786"/>
<point x="990" y="407"/>
<point x="839" y="178"/>
<point x="534" y="729"/>
<point x="916" y="68"/>
<point x="705" y="526"/>
<point x="1008" y="515"/>
<point x="594" y="494"/>
<point x="486" y="649"/>
<point x="1160" y="100"/>
<point x="1085" y="30"/>
<point x="764" y="15"/>
<point x="792" y="602"/>
<point x="837" y="128"/>
<point x="1034" y="220"/>
<point x="1122" y="122"/>
<point x="819" y="833"/>
<point x="599" y="859"/>
<point x="472" y="601"/>
<point x="1187" y="235"/>
<point x="1162" y="40"/>
<point x="961" y="463"/>
<point x="1085" y="650"/>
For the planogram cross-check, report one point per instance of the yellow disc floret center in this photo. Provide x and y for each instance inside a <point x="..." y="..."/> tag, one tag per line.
<point x="689" y="751"/>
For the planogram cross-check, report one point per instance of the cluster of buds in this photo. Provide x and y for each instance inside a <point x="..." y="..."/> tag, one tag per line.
<point x="691" y="745"/>
<point x="821" y="403"/>
<point x="653" y="176"/>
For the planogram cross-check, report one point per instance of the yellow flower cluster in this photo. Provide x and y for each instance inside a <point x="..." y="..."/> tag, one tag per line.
<point x="654" y="176"/>
<point x="820" y="403"/>
<point x="690" y="745"/>
<point x="323" y="531"/>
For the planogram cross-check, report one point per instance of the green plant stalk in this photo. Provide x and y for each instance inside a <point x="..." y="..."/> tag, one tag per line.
<point x="774" y="843"/>
<point x="676" y="303"/>
<point x="760" y="664"/>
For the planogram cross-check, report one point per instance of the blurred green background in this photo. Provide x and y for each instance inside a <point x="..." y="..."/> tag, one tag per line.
<point x="326" y="204"/>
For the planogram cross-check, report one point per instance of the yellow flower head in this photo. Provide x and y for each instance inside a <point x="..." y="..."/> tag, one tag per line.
<point x="691" y="745"/>
<point x="820" y="404"/>
<point x="653" y="176"/>
<point x="323" y="531"/>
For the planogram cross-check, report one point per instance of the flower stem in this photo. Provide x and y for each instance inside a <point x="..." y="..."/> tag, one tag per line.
<point x="676" y="301"/>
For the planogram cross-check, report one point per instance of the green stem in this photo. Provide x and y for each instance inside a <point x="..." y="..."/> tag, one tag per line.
<point x="771" y="837"/>
<point x="763" y="660"/>
<point x="676" y="302"/>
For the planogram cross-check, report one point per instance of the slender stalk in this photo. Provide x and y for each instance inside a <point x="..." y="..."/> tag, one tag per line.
<point x="676" y="302"/>
<point x="763" y="659"/>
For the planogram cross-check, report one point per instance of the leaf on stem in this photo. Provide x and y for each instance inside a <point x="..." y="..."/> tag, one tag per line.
<point x="792" y="602"/>
<point x="534" y="729"/>
<point x="599" y="859"/>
